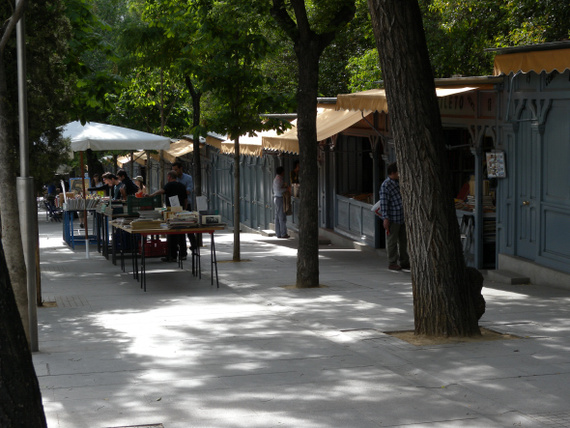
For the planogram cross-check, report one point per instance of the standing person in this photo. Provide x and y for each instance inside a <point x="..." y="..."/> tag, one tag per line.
<point x="113" y="184"/>
<point x="139" y="181"/>
<point x="128" y="188"/>
<point x="392" y="211"/>
<point x="97" y="181"/>
<point x="51" y="192"/>
<point x="97" y="186"/>
<point x="279" y="187"/>
<point x="173" y="188"/>
<point x="186" y="180"/>
<point x="295" y="173"/>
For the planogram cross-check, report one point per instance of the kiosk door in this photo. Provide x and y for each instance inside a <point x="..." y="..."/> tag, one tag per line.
<point x="527" y="185"/>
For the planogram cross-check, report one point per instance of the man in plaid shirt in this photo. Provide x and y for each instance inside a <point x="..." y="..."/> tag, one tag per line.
<point x="392" y="212"/>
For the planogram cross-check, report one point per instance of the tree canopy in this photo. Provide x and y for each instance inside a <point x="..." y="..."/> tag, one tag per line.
<point x="459" y="31"/>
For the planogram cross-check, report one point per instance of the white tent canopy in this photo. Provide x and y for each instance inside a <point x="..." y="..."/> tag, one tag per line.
<point x="99" y="136"/>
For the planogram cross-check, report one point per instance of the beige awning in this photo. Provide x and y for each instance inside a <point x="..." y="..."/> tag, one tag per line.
<point x="286" y="142"/>
<point x="375" y="99"/>
<point x="139" y="157"/>
<point x="248" y="146"/>
<point x="537" y="61"/>
<point x="329" y="122"/>
<point x="214" y="142"/>
<point x="177" y="149"/>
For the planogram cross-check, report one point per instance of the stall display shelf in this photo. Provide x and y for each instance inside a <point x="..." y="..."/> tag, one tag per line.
<point x="73" y="236"/>
<point x="80" y="204"/>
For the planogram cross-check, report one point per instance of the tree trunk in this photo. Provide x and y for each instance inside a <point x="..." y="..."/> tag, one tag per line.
<point x="196" y="112"/>
<point x="443" y="301"/>
<point x="9" y="214"/>
<point x="237" y="213"/>
<point x="309" y="45"/>
<point x="20" y="397"/>
<point x="308" y="54"/>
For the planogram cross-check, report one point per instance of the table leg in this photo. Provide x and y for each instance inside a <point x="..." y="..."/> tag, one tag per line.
<point x="198" y="258"/>
<point x="72" y="234"/>
<point x="178" y="254"/>
<point x="214" y="260"/>
<point x="143" y="262"/>
<point x="134" y="256"/>
<point x="114" y="245"/>
<point x="106" y="237"/>
<point x="123" y="243"/>
<point x="198" y="262"/>
<point x="97" y="229"/>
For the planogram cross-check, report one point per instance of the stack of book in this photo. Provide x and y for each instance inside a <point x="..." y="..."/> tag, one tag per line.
<point x="183" y="220"/>
<point x="141" y="223"/>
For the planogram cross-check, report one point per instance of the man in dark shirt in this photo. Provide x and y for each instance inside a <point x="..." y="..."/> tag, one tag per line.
<point x="173" y="188"/>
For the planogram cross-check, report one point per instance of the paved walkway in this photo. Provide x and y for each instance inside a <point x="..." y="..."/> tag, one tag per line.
<point x="255" y="353"/>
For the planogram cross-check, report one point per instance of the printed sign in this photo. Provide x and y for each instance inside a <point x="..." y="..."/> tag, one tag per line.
<point x="496" y="167"/>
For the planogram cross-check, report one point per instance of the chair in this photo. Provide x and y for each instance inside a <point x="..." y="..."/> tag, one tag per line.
<point x="53" y="212"/>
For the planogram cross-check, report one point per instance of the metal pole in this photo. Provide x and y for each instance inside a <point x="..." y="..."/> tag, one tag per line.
<point x="25" y="188"/>
<point x="85" y="206"/>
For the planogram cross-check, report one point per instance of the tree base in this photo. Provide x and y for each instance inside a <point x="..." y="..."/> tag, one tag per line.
<point x="295" y="287"/>
<point x="423" y="340"/>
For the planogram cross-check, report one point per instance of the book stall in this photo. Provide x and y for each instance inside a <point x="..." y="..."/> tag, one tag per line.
<point x="76" y="222"/>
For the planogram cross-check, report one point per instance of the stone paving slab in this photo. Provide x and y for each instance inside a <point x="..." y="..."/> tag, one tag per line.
<point x="255" y="353"/>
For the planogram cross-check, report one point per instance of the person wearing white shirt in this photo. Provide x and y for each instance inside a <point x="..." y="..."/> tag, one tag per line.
<point x="279" y="186"/>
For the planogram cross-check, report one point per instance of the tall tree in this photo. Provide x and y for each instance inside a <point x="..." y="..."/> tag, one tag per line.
<point x="240" y="90"/>
<point x="50" y="93"/>
<point x="9" y="213"/>
<point x="20" y="398"/>
<point x="47" y="93"/>
<point x="310" y="38"/>
<point x="201" y="39"/>
<point x="445" y="292"/>
<point x="187" y="53"/>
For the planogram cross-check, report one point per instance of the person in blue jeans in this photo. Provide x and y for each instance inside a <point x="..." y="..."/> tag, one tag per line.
<point x="392" y="211"/>
<point x="279" y="186"/>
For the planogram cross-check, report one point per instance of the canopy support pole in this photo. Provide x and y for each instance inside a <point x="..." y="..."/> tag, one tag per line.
<point x="85" y="206"/>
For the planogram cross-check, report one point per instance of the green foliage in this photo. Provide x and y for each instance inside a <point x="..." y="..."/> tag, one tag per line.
<point x="218" y="47"/>
<point x="148" y="95"/>
<point x="91" y="56"/>
<point x="360" y="62"/>
<point x="534" y="21"/>
<point x="279" y="66"/>
<point x="364" y="71"/>
<point x="49" y="92"/>
<point x="241" y="92"/>
<point x="458" y="31"/>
